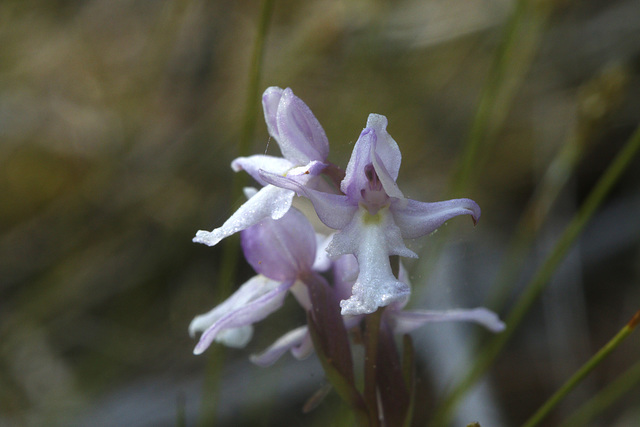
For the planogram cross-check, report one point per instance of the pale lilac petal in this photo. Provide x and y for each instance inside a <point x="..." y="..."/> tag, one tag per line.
<point x="270" y="201"/>
<point x="372" y="239"/>
<point x="398" y="305"/>
<point x="345" y="274"/>
<point x="234" y="337"/>
<point x="270" y="102"/>
<point x="365" y="152"/>
<point x="253" y="164"/>
<point x="291" y="341"/>
<point x="304" y="349"/>
<point x="300" y="135"/>
<point x="300" y="291"/>
<point x="386" y="179"/>
<point x="334" y="210"/>
<point x="263" y="297"/>
<point x="417" y="219"/>
<point x="386" y="147"/>
<point x="322" y="261"/>
<point x="249" y="192"/>
<point x="313" y="168"/>
<point x="354" y="178"/>
<point x="281" y="249"/>
<point x="406" y="321"/>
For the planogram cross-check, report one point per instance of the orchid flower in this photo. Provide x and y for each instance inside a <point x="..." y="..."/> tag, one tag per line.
<point x="304" y="148"/>
<point x="373" y="217"/>
<point x="280" y="251"/>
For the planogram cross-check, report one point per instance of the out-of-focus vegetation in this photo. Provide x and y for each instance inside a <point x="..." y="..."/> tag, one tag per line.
<point x="118" y="121"/>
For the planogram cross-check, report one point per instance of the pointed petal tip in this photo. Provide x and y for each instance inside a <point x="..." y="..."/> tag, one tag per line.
<point x="209" y="238"/>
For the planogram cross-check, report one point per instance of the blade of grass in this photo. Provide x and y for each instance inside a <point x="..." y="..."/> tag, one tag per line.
<point x="542" y="276"/>
<point x="231" y="248"/>
<point x="605" y="398"/>
<point x="553" y="401"/>
<point x="513" y="57"/>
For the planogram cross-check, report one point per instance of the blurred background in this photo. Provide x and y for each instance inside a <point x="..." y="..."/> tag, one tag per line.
<point x="118" y="122"/>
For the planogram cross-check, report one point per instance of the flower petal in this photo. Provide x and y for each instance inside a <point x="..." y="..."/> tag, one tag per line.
<point x="406" y="321"/>
<point x="253" y="164"/>
<point x="282" y="249"/>
<point x="366" y="152"/>
<point x="270" y="101"/>
<point x="234" y="337"/>
<point x="417" y="219"/>
<point x="354" y="178"/>
<point x="300" y="135"/>
<point x="372" y="239"/>
<point x="298" y="341"/>
<point x="386" y="147"/>
<point x="311" y="169"/>
<point x="260" y="297"/>
<point x="270" y="201"/>
<point x="322" y="261"/>
<point x="334" y="210"/>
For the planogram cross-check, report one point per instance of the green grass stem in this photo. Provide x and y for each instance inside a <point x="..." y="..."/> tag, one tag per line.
<point x="605" y="397"/>
<point x="589" y="366"/>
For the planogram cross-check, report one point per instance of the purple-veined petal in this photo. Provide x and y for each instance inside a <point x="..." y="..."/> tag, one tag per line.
<point x="261" y="297"/>
<point x="270" y="201"/>
<point x="270" y="101"/>
<point x="356" y="183"/>
<point x="354" y="178"/>
<point x="406" y="321"/>
<point x="253" y="164"/>
<point x="300" y="135"/>
<point x="386" y="179"/>
<point x="372" y="239"/>
<point x="297" y="341"/>
<point x="281" y="249"/>
<point x="417" y="219"/>
<point x="334" y="210"/>
<point x="386" y="147"/>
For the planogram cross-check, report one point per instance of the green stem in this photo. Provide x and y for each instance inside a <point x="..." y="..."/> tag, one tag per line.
<point x="230" y="254"/>
<point x="542" y="276"/>
<point x="513" y="57"/>
<point x="582" y="373"/>
<point x="605" y="398"/>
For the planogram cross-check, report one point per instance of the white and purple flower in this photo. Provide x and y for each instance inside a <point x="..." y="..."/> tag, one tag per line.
<point x="373" y="216"/>
<point x="304" y="148"/>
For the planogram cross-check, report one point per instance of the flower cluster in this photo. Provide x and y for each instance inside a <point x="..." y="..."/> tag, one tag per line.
<point x="370" y="216"/>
